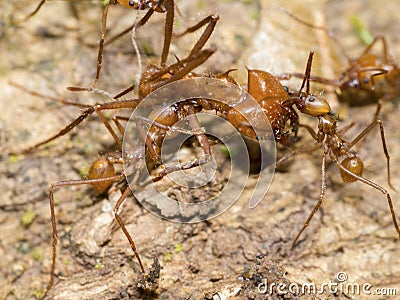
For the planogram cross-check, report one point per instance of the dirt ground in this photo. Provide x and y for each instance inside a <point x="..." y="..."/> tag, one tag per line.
<point x="228" y="256"/>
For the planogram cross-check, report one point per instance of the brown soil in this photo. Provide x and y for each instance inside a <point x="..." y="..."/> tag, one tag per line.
<point x="216" y="259"/>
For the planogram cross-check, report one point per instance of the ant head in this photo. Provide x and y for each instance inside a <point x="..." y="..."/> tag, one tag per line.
<point x="368" y="77"/>
<point x="308" y="103"/>
<point x="312" y="105"/>
<point x="140" y="4"/>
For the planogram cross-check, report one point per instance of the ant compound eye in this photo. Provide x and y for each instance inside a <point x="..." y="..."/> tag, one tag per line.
<point x="128" y="3"/>
<point x="366" y="80"/>
<point x="286" y="89"/>
<point x="311" y="99"/>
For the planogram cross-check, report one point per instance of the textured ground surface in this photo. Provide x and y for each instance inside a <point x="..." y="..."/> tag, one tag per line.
<point x="217" y="259"/>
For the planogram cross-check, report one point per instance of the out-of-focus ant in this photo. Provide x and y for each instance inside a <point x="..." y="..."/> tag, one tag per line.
<point x="368" y="78"/>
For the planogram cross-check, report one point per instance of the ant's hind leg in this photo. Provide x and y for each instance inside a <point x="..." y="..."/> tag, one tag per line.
<point x="320" y="199"/>
<point x="53" y="187"/>
<point x="377" y="187"/>
<point x="121" y="224"/>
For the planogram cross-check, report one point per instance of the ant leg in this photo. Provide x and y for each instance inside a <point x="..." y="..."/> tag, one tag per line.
<point x="101" y="46"/>
<point x="110" y="129"/>
<point x="62" y="132"/>
<point x="180" y="167"/>
<point x="152" y="147"/>
<point x="197" y="60"/>
<point x="38" y="7"/>
<point x="186" y="65"/>
<point x="385" y="150"/>
<point x="72" y="103"/>
<point x="52" y="188"/>
<point x="377" y="187"/>
<point x="117" y="121"/>
<point x="199" y="132"/>
<point x="49" y="97"/>
<point x="141" y="22"/>
<point x="94" y="84"/>
<point x="204" y="144"/>
<point x="320" y="198"/>
<point x="310" y="130"/>
<point x="211" y="21"/>
<point x="346" y="128"/>
<point x="295" y="153"/>
<point x="83" y="116"/>
<point x="169" y="23"/>
<point x="122" y="225"/>
<point x="378" y="109"/>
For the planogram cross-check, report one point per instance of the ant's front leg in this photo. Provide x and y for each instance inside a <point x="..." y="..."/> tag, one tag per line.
<point x="384" y="45"/>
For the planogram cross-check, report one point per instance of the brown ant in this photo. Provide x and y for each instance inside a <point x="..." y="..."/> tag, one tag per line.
<point x="369" y="78"/>
<point x="334" y="146"/>
<point x="102" y="172"/>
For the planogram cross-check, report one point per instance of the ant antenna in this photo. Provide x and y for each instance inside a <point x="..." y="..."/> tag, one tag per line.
<point x="136" y="48"/>
<point x="327" y="31"/>
<point x="307" y="74"/>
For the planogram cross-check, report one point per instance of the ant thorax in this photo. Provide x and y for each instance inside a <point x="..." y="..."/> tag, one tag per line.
<point x="327" y="125"/>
